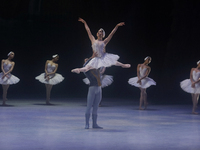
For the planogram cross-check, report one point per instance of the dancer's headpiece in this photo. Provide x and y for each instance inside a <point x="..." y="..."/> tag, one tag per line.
<point x="54" y="56"/>
<point x="198" y="62"/>
<point x="9" y="53"/>
<point x="146" y="58"/>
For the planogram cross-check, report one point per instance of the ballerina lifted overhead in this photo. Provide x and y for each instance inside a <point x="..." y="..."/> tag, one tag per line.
<point x="102" y="59"/>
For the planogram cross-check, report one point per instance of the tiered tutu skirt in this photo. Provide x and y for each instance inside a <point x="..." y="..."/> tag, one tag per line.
<point x="11" y="79"/>
<point x="57" y="78"/>
<point x="106" y="60"/>
<point x="186" y="86"/>
<point x="146" y="82"/>
<point x="106" y="80"/>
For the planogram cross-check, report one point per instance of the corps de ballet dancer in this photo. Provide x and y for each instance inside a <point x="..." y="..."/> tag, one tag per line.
<point x="142" y="81"/>
<point x="103" y="59"/>
<point x="192" y="86"/>
<point x="6" y="78"/>
<point x="106" y="80"/>
<point x="50" y="77"/>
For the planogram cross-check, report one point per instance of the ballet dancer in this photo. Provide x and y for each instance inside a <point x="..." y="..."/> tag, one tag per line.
<point x="6" y="78"/>
<point x="142" y="81"/>
<point x="50" y="77"/>
<point x="192" y="86"/>
<point x="103" y="59"/>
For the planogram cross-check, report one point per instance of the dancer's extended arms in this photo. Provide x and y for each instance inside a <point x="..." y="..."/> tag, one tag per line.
<point x="113" y="32"/>
<point x="91" y="37"/>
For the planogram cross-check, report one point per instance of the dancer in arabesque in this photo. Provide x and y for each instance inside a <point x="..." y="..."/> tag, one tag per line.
<point x="50" y="77"/>
<point x="142" y="81"/>
<point x="192" y="86"/>
<point x="103" y="59"/>
<point x="6" y="78"/>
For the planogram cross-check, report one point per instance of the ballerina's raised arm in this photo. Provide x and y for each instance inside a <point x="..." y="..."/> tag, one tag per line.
<point x="91" y="37"/>
<point x="113" y="32"/>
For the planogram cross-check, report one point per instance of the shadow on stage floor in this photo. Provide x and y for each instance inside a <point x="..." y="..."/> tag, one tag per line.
<point x="30" y="124"/>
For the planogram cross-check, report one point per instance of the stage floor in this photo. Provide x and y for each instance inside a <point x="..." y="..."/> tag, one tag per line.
<point x="31" y="125"/>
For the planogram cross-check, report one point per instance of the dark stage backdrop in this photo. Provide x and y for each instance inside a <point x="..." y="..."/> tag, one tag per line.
<point x="168" y="31"/>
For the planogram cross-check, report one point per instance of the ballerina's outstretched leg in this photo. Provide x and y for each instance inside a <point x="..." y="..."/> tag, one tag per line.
<point x="122" y="65"/>
<point x="87" y="67"/>
<point x="83" y="69"/>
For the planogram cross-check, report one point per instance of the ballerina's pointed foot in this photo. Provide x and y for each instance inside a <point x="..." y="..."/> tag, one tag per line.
<point x="77" y="70"/>
<point x="126" y="66"/>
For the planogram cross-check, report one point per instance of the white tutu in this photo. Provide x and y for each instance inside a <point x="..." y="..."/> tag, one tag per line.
<point x="10" y="80"/>
<point x="106" y="60"/>
<point x="145" y="83"/>
<point x="57" y="78"/>
<point x="102" y="59"/>
<point x="186" y="86"/>
<point x="106" y="80"/>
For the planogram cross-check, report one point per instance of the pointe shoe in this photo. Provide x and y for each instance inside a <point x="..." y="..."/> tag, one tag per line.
<point x="126" y="66"/>
<point x="77" y="70"/>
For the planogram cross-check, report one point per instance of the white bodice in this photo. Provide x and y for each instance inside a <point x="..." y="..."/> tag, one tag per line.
<point x="50" y="68"/>
<point x="98" y="46"/>
<point x="196" y="75"/>
<point x="143" y="71"/>
<point x="7" y="67"/>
